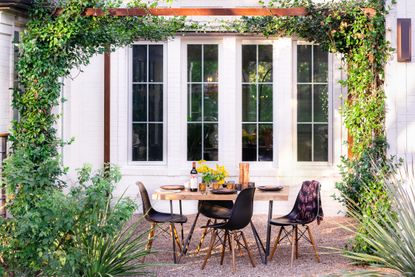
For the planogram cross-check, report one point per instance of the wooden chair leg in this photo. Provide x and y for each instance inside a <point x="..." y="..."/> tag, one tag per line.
<point x="296" y="241"/>
<point x="150" y="239"/>
<point x="239" y="248"/>
<point x="222" y="255"/>
<point x="313" y="243"/>
<point x="277" y="241"/>
<point x="202" y="239"/>
<point x="176" y="238"/>
<point x="229" y="241"/>
<point x="212" y="243"/>
<point x="233" y="238"/>
<point x="247" y="250"/>
<point x="292" y="246"/>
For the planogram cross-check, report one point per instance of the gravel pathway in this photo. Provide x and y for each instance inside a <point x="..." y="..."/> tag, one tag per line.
<point x="328" y="234"/>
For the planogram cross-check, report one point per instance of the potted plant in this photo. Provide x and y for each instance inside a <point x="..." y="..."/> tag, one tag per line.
<point x="215" y="176"/>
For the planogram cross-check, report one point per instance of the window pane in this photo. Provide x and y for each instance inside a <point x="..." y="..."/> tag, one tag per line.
<point x="139" y="102"/>
<point x="320" y="103"/>
<point x="155" y="65"/>
<point x="320" y="65"/>
<point x="248" y="63"/>
<point x="194" y="102"/>
<point x="264" y="63"/>
<point x="211" y="142"/>
<point x="321" y="142"/>
<point x="304" y="63"/>
<point x="139" y="142"/>
<point x="210" y="102"/>
<point x="265" y="103"/>
<point x="140" y="63"/>
<point x="210" y="67"/>
<point x="249" y="142"/>
<point x="265" y="142"/>
<point x="304" y="142"/>
<point x="155" y="142"/>
<point x="194" y="63"/>
<point x="304" y="101"/>
<point x="155" y="101"/>
<point x="249" y="103"/>
<point x="194" y="141"/>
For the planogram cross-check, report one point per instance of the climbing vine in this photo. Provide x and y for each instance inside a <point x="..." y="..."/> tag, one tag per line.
<point x="53" y="45"/>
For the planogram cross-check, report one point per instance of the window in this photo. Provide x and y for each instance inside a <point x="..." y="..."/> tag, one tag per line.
<point x="147" y="103"/>
<point x="257" y="117"/>
<point x="312" y="101"/>
<point x="202" y="102"/>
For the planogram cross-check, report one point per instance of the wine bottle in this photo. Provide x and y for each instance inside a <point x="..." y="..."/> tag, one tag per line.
<point x="193" y="178"/>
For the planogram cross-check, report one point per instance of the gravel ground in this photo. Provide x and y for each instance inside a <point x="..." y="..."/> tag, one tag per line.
<point x="328" y="234"/>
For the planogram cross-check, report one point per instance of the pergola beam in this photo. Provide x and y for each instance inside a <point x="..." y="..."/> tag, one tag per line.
<point x="299" y="11"/>
<point x="200" y="11"/>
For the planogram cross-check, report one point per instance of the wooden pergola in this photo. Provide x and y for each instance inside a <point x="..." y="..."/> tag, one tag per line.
<point x="196" y="11"/>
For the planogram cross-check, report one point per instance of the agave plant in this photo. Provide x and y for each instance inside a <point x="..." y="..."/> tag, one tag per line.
<point x="393" y="238"/>
<point x="119" y="255"/>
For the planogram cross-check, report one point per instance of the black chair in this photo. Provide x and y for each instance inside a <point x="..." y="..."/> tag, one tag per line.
<point x="155" y="217"/>
<point x="213" y="210"/>
<point x="230" y="230"/>
<point x="307" y="208"/>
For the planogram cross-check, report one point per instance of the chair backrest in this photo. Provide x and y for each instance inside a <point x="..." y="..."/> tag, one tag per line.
<point x="147" y="208"/>
<point x="242" y="210"/>
<point x="307" y="207"/>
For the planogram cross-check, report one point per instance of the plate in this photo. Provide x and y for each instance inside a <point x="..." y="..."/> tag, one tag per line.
<point x="223" y="191"/>
<point x="168" y="191"/>
<point x="172" y="187"/>
<point x="270" y="188"/>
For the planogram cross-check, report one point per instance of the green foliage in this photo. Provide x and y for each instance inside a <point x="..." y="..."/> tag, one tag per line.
<point x="118" y="255"/>
<point x="47" y="228"/>
<point x="391" y="237"/>
<point x="55" y="236"/>
<point x="362" y="187"/>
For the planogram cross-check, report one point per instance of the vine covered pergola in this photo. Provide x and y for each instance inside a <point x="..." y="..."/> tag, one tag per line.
<point x="58" y="39"/>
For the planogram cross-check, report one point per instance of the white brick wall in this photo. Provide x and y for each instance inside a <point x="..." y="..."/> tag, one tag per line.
<point x="83" y="119"/>
<point x="400" y="88"/>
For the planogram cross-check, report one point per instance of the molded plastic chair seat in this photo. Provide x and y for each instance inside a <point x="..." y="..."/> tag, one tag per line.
<point x="216" y="209"/>
<point x="283" y="221"/>
<point x="160" y="217"/>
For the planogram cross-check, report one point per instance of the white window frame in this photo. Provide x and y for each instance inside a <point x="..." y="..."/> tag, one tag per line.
<point x="257" y="165"/>
<point x="199" y="41"/>
<point x="130" y="105"/>
<point x="330" y="89"/>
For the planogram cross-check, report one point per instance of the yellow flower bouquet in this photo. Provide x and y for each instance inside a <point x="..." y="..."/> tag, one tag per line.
<point x="217" y="174"/>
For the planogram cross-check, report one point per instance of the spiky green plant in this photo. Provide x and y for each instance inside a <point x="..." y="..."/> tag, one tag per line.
<point x="118" y="255"/>
<point x="393" y="238"/>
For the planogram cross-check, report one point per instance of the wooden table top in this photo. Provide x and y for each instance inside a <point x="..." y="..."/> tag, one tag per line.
<point x="281" y="195"/>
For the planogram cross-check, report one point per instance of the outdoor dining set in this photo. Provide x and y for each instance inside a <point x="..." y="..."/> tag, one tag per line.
<point x="228" y="212"/>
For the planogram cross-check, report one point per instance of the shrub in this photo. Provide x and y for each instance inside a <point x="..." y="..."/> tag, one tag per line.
<point x="65" y="234"/>
<point x="361" y="186"/>
<point x="391" y="237"/>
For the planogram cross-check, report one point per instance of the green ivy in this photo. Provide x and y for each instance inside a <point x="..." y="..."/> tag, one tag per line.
<point x="51" y="46"/>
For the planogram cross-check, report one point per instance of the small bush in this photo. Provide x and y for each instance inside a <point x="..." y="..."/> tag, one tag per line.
<point x="65" y="234"/>
<point x="391" y="237"/>
<point x="361" y="186"/>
